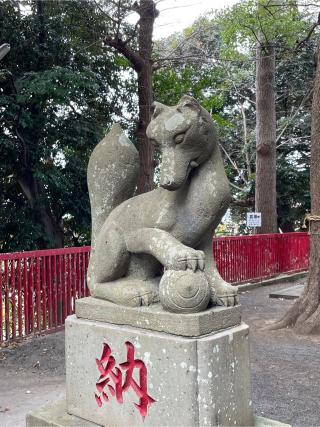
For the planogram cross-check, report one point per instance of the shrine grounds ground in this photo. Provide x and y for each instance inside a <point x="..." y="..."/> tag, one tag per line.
<point x="285" y="368"/>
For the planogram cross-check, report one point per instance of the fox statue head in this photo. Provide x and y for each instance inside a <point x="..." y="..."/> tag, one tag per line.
<point x="185" y="136"/>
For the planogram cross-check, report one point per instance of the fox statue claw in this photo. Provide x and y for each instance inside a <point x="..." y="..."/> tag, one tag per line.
<point x="227" y="300"/>
<point x="225" y="294"/>
<point x="187" y="259"/>
<point x="135" y="238"/>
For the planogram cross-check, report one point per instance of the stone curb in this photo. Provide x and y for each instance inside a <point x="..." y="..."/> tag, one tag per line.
<point x="55" y="415"/>
<point x="282" y="278"/>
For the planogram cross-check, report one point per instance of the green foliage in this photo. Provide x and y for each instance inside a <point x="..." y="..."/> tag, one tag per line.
<point x="292" y="182"/>
<point x="171" y="84"/>
<point x="59" y="92"/>
<point x="259" y="21"/>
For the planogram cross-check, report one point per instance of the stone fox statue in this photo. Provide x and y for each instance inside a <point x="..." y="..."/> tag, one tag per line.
<point x="136" y="239"/>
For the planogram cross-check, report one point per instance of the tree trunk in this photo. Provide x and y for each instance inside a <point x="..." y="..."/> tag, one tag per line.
<point x="304" y="314"/>
<point x="265" y="191"/>
<point x="148" y="13"/>
<point x="141" y="62"/>
<point x="146" y="149"/>
<point x="41" y="32"/>
<point x="35" y="195"/>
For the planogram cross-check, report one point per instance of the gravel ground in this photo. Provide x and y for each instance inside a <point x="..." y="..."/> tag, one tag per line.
<point x="285" y="368"/>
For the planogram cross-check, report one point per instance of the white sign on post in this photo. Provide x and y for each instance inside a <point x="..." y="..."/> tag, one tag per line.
<point x="254" y="219"/>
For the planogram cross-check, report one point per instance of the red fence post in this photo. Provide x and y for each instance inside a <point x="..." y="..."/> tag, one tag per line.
<point x="1" y="302"/>
<point x="6" y="296"/>
<point x="19" y="298"/>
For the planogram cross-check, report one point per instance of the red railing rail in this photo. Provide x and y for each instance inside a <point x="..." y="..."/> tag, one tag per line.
<point x="38" y="289"/>
<point x="246" y="258"/>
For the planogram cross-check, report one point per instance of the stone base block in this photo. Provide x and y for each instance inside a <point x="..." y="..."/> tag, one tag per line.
<point x="56" y="415"/>
<point x="266" y="422"/>
<point x="155" y="318"/>
<point x="126" y="376"/>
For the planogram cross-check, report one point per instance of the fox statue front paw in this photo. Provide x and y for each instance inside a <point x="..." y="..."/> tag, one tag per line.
<point x="225" y="295"/>
<point x="187" y="258"/>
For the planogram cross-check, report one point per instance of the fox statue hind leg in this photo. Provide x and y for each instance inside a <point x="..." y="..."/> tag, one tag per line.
<point x="111" y="262"/>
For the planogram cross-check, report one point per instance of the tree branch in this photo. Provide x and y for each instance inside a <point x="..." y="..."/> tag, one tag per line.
<point x="121" y="47"/>
<point x="246" y="203"/>
<point x="233" y="164"/>
<point x="307" y="38"/>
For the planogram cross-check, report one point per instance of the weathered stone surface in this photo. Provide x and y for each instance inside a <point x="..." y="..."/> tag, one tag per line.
<point x="112" y="174"/>
<point x="156" y="319"/>
<point x="171" y="226"/>
<point x="194" y="381"/>
<point x="55" y="415"/>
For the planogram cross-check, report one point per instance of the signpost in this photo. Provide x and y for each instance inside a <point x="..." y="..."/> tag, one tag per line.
<point x="254" y="220"/>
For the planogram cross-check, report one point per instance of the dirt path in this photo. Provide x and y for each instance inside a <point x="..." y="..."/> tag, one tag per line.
<point x="31" y="375"/>
<point x="285" y="369"/>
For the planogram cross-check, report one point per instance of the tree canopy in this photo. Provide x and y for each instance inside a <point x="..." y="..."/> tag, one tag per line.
<point x="60" y="91"/>
<point x="61" y="88"/>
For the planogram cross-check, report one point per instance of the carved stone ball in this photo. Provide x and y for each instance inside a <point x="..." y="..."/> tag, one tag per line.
<point x="184" y="291"/>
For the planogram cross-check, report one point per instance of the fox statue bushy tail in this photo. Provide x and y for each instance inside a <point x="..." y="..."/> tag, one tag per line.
<point x="112" y="176"/>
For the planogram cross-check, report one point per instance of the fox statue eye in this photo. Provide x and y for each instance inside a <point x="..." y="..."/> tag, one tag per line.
<point x="179" y="138"/>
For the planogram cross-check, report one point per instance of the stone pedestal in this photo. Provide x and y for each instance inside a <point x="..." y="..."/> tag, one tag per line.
<point x="147" y="370"/>
<point x="193" y="381"/>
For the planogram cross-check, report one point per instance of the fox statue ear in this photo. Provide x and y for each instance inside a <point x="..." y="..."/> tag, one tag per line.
<point x="157" y="108"/>
<point x="189" y="102"/>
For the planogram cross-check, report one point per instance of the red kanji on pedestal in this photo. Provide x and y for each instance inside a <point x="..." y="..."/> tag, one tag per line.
<point x="111" y="373"/>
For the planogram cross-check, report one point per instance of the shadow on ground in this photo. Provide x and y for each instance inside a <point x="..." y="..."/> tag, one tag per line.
<point x="285" y="368"/>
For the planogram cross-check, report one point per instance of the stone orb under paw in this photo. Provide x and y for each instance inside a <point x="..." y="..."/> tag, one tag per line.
<point x="184" y="291"/>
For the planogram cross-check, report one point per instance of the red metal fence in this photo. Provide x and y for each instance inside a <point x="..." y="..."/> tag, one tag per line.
<point x="245" y="258"/>
<point x="38" y="289"/>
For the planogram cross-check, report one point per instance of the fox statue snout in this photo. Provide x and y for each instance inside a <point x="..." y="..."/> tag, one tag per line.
<point x="173" y="171"/>
<point x="168" y="185"/>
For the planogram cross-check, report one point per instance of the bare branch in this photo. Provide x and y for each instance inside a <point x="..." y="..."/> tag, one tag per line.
<point x="233" y="164"/>
<point x="307" y="38"/>
<point x="291" y="119"/>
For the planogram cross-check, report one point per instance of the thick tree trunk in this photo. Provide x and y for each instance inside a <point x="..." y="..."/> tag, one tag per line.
<point x="304" y="314"/>
<point x="146" y="149"/>
<point x="35" y="195"/>
<point x="265" y="191"/>
<point x="148" y="13"/>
